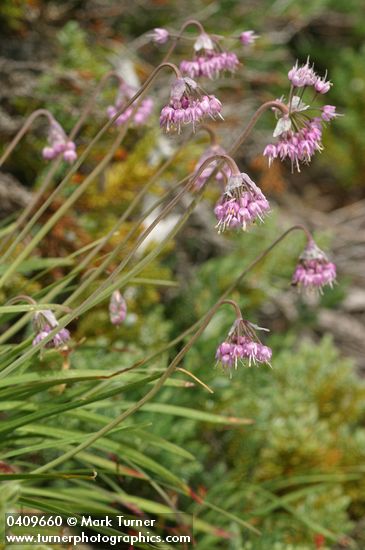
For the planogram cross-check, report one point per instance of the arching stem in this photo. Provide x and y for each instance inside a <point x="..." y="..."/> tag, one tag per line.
<point x="235" y="306"/>
<point x="212" y="134"/>
<point x="189" y="23"/>
<point x="252" y="122"/>
<point x="198" y="330"/>
<point x="23" y="130"/>
<point x="76" y="166"/>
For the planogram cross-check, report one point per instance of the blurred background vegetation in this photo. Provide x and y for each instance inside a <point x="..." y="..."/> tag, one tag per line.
<point x="296" y="473"/>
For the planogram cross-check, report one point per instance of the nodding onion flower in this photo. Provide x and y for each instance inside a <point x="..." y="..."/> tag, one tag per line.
<point x="299" y="132"/>
<point x="314" y="270"/>
<point x="241" y="204"/>
<point x="209" y="59"/>
<point x="44" y="321"/>
<point x="242" y="347"/>
<point x="59" y="144"/>
<point x="188" y="105"/>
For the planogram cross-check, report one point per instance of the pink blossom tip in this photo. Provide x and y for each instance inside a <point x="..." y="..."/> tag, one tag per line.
<point x="160" y="36"/>
<point x="59" y="144"/>
<point x="248" y="37"/>
<point x="117" y="308"/>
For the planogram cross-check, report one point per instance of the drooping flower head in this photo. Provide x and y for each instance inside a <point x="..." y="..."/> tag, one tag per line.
<point x="44" y="321"/>
<point x="117" y="308"/>
<point x="141" y="114"/>
<point x="248" y="37"/>
<point x="59" y="144"/>
<point x="299" y="131"/>
<point x="241" y="204"/>
<point x="314" y="270"/>
<point x="209" y="60"/>
<point x="188" y="105"/>
<point x="221" y="175"/>
<point x="160" y="36"/>
<point x="242" y="347"/>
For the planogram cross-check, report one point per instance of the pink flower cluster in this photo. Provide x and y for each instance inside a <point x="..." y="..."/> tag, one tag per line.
<point x="299" y="134"/>
<point x="242" y="346"/>
<point x="188" y="106"/>
<point x="117" y="308"/>
<point x="314" y="271"/>
<point x="210" y="65"/>
<point x="59" y="339"/>
<point x="141" y="114"/>
<point x="209" y="61"/>
<point x="44" y="322"/>
<point x="59" y="144"/>
<point x="241" y="204"/>
<point x="302" y="76"/>
<point x="222" y="174"/>
<point x="298" y="147"/>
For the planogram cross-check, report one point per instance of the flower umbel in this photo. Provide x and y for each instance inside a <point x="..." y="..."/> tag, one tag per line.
<point x="117" y="308"/>
<point x="314" y="270"/>
<point x="242" y="347"/>
<point x="59" y="144"/>
<point x="209" y="60"/>
<point x="241" y="204"/>
<point x="188" y="105"/>
<point x="142" y="113"/>
<point x="300" y="133"/>
<point x="44" y="321"/>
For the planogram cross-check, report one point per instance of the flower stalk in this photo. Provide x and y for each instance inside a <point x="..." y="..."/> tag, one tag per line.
<point x="197" y="329"/>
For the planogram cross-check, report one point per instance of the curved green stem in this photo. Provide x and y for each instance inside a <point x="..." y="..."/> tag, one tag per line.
<point x="252" y="122"/>
<point x="107" y="287"/>
<point x="23" y="130"/>
<point x="162" y="214"/>
<point x="49" y="177"/>
<point x="79" y="191"/>
<point x="169" y="371"/>
<point x="96" y="247"/>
